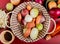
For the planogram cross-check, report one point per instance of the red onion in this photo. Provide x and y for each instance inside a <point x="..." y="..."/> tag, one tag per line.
<point x="54" y="13"/>
<point x="40" y="1"/>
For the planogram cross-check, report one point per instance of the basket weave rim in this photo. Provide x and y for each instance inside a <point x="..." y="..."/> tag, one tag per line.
<point x="18" y="36"/>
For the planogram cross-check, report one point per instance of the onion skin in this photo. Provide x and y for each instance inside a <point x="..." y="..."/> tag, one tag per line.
<point x="54" y="12"/>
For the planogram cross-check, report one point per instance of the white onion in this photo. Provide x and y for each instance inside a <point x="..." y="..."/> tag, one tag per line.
<point x="28" y="18"/>
<point x="34" y="33"/>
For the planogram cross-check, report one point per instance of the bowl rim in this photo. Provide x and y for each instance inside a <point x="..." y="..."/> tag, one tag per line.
<point x="2" y="36"/>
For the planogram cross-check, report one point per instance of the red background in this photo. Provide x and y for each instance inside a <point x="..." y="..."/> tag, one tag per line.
<point x="54" y="40"/>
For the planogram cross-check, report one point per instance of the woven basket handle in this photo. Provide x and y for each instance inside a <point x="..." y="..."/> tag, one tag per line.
<point x="9" y="14"/>
<point x="54" y="26"/>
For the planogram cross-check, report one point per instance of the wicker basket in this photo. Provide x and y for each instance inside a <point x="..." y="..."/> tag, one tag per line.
<point x="17" y="28"/>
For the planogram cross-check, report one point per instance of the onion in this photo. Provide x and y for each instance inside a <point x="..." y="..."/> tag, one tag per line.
<point x="42" y="19"/>
<point x="15" y="2"/>
<point x="54" y="13"/>
<point x="34" y="33"/>
<point x="40" y="1"/>
<point x="28" y="18"/>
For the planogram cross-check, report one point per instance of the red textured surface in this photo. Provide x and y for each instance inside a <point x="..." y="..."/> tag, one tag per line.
<point x="54" y="40"/>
